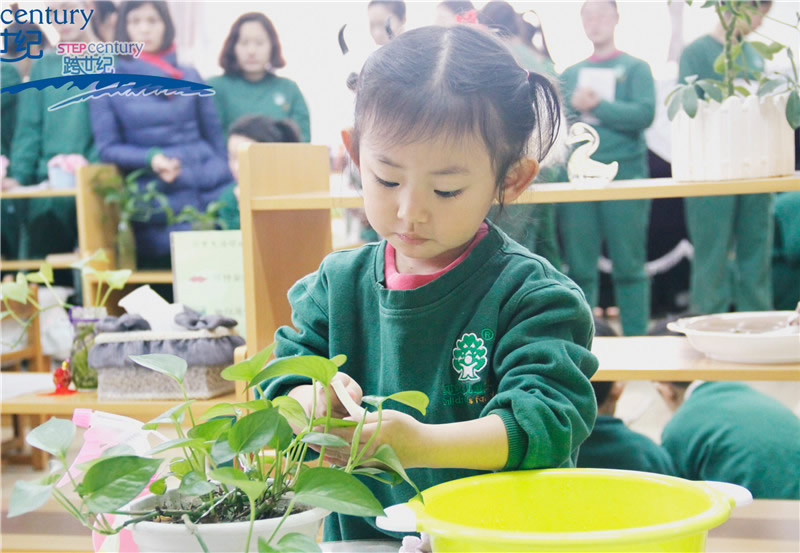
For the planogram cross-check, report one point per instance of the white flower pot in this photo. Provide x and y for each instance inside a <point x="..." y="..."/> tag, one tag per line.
<point x="157" y="537"/>
<point x="742" y="138"/>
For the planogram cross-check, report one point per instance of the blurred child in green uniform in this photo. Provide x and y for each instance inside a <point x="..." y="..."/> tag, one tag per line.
<point x="729" y="432"/>
<point x="786" y="251"/>
<point x="615" y="93"/>
<point x="719" y="224"/>
<point x="250" y="55"/>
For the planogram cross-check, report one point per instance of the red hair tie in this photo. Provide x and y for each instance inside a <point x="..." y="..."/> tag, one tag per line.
<point x="469" y="17"/>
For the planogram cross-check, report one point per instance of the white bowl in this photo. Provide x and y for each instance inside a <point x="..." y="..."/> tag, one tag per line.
<point x="748" y="337"/>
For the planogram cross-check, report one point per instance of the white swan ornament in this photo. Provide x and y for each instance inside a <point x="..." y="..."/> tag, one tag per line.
<point x="581" y="167"/>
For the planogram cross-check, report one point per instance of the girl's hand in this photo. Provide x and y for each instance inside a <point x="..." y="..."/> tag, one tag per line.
<point x="305" y="395"/>
<point x="404" y="433"/>
<point x="585" y="100"/>
<point x="167" y="168"/>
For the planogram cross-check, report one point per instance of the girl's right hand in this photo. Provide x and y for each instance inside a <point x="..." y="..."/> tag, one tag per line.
<point x="305" y="395"/>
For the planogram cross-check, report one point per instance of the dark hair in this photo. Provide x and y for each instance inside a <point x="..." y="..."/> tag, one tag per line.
<point x="455" y="80"/>
<point x="500" y="16"/>
<point x="265" y="129"/>
<point x="397" y="7"/>
<point x="227" y="57"/>
<point x="15" y="48"/>
<point x="601" y="390"/>
<point x="121" y="32"/>
<point x="102" y="9"/>
<point x="456" y="6"/>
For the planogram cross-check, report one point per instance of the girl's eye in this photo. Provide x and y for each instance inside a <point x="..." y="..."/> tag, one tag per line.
<point x="448" y="194"/>
<point x="385" y="183"/>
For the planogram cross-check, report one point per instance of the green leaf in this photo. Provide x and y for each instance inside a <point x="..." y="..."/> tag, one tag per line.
<point x="27" y="497"/>
<point x="290" y="543"/>
<point x="171" y="415"/>
<point x="235" y="477"/>
<point x="320" y="438"/>
<point x="339" y="360"/>
<point x="247" y="369"/>
<point x="689" y="101"/>
<point x="221" y="451"/>
<point x="312" y="366"/>
<point x="159" y="487"/>
<point x="113" y="451"/>
<point x="116" y="280"/>
<point x="98" y="255"/>
<point x="16" y="291"/>
<point x="291" y="410"/>
<point x="386" y="456"/>
<point x="768" y="86"/>
<point x="387" y="477"/>
<point x="116" y="481"/>
<point x="793" y="110"/>
<point x="333" y="423"/>
<point x="412" y="398"/>
<point x="742" y="90"/>
<point x="210" y="430"/>
<point x="164" y="363"/>
<point x="719" y="64"/>
<point x="220" y="410"/>
<point x="178" y="442"/>
<point x="194" y="484"/>
<point x="766" y="51"/>
<point x="254" y="431"/>
<point x="180" y="467"/>
<point x="674" y="107"/>
<point x="711" y="90"/>
<point x="690" y="79"/>
<point x="254" y="405"/>
<point x="337" y="491"/>
<point x="54" y="436"/>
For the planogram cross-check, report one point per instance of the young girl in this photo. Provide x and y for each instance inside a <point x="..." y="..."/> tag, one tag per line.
<point x="251" y="54"/>
<point x="447" y="304"/>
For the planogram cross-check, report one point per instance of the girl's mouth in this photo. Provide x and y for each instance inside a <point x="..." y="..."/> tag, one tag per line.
<point x="412" y="239"/>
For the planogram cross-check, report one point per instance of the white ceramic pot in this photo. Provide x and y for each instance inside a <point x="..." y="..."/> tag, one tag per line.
<point x="742" y="138"/>
<point x="156" y="537"/>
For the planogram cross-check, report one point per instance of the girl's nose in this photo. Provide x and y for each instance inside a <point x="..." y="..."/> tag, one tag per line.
<point x="413" y="207"/>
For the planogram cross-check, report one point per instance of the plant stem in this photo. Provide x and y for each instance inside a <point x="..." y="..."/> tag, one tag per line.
<point x="280" y="523"/>
<point x="727" y="77"/>
<point x="371" y="438"/>
<point x="70" y="508"/>
<point x="105" y="297"/>
<point x="97" y="298"/>
<point x="252" y="522"/>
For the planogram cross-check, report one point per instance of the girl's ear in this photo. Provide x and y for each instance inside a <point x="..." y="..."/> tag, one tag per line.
<point x="347" y="139"/>
<point x="519" y="177"/>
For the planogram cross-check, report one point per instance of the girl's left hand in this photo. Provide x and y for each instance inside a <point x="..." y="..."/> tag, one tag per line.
<point x="402" y="432"/>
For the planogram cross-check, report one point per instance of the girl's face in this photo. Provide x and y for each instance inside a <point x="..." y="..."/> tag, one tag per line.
<point x="235" y="141"/>
<point x="144" y="24"/>
<point x="599" y="21"/>
<point x="70" y="31"/>
<point x="428" y="198"/>
<point x="377" y="14"/>
<point x="253" y="49"/>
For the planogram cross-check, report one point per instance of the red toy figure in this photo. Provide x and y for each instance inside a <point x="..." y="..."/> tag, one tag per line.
<point x="62" y="376"/>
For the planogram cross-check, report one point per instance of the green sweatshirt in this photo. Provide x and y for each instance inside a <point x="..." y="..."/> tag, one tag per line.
<point x="786" y="251"/>
<point x="273" y="96"/>
<point x="622" y="122"/>
<point x="527" y="327"/>
<point x="699" y="56"/>
<point x="229" y="213"/>
<point x="9" y="76"/>
<point x="729" y="432"/>
<point x="612" y="445"/>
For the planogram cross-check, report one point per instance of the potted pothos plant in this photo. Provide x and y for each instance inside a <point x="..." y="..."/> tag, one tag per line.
<point x="201" y="220"/>
<point x="238" y="478"/>
<point x="740" y="123"/>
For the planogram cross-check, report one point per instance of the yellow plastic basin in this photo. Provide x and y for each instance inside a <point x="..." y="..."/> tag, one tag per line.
<point x="570" y="510"/>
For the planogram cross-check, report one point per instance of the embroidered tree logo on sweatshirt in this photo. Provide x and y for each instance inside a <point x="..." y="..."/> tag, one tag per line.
<point x="469" y="357"/>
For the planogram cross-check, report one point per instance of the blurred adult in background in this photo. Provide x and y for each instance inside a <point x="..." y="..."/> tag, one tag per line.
<point x="37" y="227"/>
<point x="729" y="432"/>
<point x="387" y="19"/>
<point x="447" y="11"/>
<point x="250" y="56"/>
<point x="104" y="19"/>
<point x="177" y="138"/>
<point x="247" y="130"/>
<point x="532" y="225"/>
<point x="742" y="223"/>
<point x="615" y="93"/>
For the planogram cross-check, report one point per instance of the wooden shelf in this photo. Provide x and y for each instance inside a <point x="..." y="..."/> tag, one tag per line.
<point x="63" y="406"/>
<point x="57" y="261"/>
<point x="36" y="192"/>
<point x="144" y="277"/>
<point x="671" y="358"/>
<point x="560" y="192"/>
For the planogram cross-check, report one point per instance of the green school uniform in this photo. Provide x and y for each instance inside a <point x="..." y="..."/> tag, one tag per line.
<point x="39" y="135"/>
<point x="622" y="224"/>
<point x="730" y="432"/>
<point x="10" y="220"/>
<point x="526" y="327"/>
<point x="533" y="225"/>
<point x="786" y="251"/>
<point x="718" y="224"/>
<point x="229" y="213"/>
<point x="612" y="445"/>
<point x="273" y="96"/>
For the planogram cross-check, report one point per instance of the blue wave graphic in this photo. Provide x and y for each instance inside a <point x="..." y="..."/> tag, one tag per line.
<point x="113" y="84"/>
